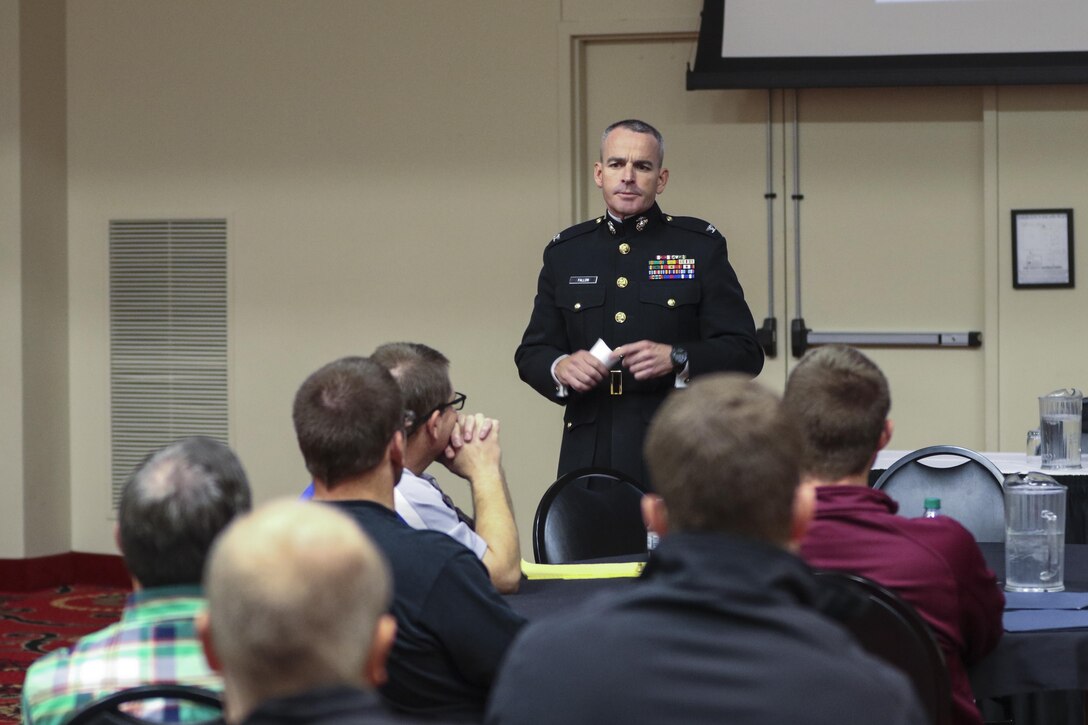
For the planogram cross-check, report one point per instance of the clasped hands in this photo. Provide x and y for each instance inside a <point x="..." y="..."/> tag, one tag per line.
<point x="645" y="360"/>
<point x="473" y="446"/>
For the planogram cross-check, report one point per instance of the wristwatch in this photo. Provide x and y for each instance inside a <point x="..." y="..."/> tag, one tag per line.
<point x="679" y="358"/>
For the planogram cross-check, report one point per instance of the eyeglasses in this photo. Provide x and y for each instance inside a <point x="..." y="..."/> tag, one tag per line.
<point x="458" y="403"/>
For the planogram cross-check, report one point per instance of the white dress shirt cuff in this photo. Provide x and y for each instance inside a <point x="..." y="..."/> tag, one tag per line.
<point x="683" y="376"/>
<point x="560" y="389"/>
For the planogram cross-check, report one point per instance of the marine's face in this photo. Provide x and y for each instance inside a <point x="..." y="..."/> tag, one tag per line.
<point x="629" y="173"/>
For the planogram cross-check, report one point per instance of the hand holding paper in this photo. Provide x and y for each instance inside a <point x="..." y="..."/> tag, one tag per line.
<point x="603" y="352"/>
<point x="583" y="370"/>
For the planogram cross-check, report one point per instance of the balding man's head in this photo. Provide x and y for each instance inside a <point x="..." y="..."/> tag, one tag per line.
<point x="422" y="374"/>
<point x="174" y="505"/>
<point x="296" y="598"/>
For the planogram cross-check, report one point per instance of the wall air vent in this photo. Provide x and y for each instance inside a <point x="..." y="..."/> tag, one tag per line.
<point x="168" y="336"/>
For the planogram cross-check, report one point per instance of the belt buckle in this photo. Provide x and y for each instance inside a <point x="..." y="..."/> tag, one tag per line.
<point x="615" y="382"/>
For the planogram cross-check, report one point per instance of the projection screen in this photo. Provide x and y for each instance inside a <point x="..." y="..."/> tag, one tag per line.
<point x="806" y="43"/>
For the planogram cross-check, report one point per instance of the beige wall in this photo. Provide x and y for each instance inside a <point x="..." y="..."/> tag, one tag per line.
<point x="11" y="304"/>
<point x="1042" y="150"/>
<point x="34" y="425"/>
<point x="893" y="241"/>
<point x="393" y="171"/>
<point x="384" y="174"/>
<point x="44" y="170"/>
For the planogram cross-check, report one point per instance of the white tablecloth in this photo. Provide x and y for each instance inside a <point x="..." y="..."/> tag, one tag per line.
<point x="1006" y="462"/>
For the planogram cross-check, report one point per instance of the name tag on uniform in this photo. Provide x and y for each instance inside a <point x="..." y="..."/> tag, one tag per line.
<point x="672" y="266"/>
<point x="584" y="279"/>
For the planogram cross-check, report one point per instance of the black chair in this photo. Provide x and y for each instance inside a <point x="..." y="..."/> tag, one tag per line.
<point x="106" y="709"/>
<point x="890" y="629"/>
<point x="970" y="491"/>
<point x="590" y="513"/>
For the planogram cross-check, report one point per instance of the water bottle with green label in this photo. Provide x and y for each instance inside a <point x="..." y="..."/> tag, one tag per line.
<point x="932" y="508"/>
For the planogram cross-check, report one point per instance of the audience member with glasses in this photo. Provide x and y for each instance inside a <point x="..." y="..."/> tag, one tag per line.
<point x="468" y="445"/>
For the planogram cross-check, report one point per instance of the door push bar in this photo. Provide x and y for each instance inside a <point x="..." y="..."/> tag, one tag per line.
<point x="802" y="338"/>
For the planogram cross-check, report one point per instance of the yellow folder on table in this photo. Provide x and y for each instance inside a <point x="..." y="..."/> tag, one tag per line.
<point x="616" y="570"/>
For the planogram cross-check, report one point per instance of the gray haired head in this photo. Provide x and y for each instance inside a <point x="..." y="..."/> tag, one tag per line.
<point x="174" y="505"/>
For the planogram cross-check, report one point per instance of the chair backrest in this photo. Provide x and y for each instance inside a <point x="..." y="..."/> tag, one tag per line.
<point x="106" y="709"/>
<point x="589" y="514"/>
<point x="890" y="629"/>
<point x="970" y="491"/>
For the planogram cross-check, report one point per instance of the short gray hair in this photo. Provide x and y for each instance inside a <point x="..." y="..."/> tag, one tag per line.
<point x="633" y="124"/>
<point x="174" y="505"/>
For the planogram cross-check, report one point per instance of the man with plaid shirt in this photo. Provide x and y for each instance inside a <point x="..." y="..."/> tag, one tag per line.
<point x="172" y="508"/>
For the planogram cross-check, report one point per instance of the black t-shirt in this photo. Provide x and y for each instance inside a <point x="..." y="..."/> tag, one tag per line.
<point x="453" y="628"/>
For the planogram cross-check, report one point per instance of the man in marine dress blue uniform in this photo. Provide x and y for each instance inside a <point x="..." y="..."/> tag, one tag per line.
<point x="657" y="289"/>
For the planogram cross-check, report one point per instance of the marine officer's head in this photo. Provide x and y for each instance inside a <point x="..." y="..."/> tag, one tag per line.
<point x="630" y="172"/>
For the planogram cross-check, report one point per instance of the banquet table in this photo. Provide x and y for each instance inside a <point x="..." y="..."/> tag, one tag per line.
<point x="1023" y="662"/>
<point x="1036" y="661"/>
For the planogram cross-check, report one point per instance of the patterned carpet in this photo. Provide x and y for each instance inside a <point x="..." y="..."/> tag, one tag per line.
<point x="34" y="623"/>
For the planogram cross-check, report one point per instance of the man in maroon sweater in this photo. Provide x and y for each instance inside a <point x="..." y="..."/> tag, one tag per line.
<point x="840" y="400"/>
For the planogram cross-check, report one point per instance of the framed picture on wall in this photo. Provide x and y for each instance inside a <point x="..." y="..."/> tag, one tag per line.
<point x="1042" y="248"/>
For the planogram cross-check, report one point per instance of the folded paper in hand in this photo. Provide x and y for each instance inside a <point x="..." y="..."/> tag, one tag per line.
<point x="603" y="352"/>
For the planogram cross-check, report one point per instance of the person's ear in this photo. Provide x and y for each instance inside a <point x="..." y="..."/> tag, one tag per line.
<point x="885" y="435"/>
<point x="655" y="514"/>
<point x="662" y="179"/>
<point x="598" y="174"/>
<point x="881" y="442"/>
<point x="396" y="449"/>
<point x="204" y="633"/>
<point x="803" y="511"/>
<point x="395" y="453"/>
<point x="433" y="424"/>
<point x="385" y="632"/>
